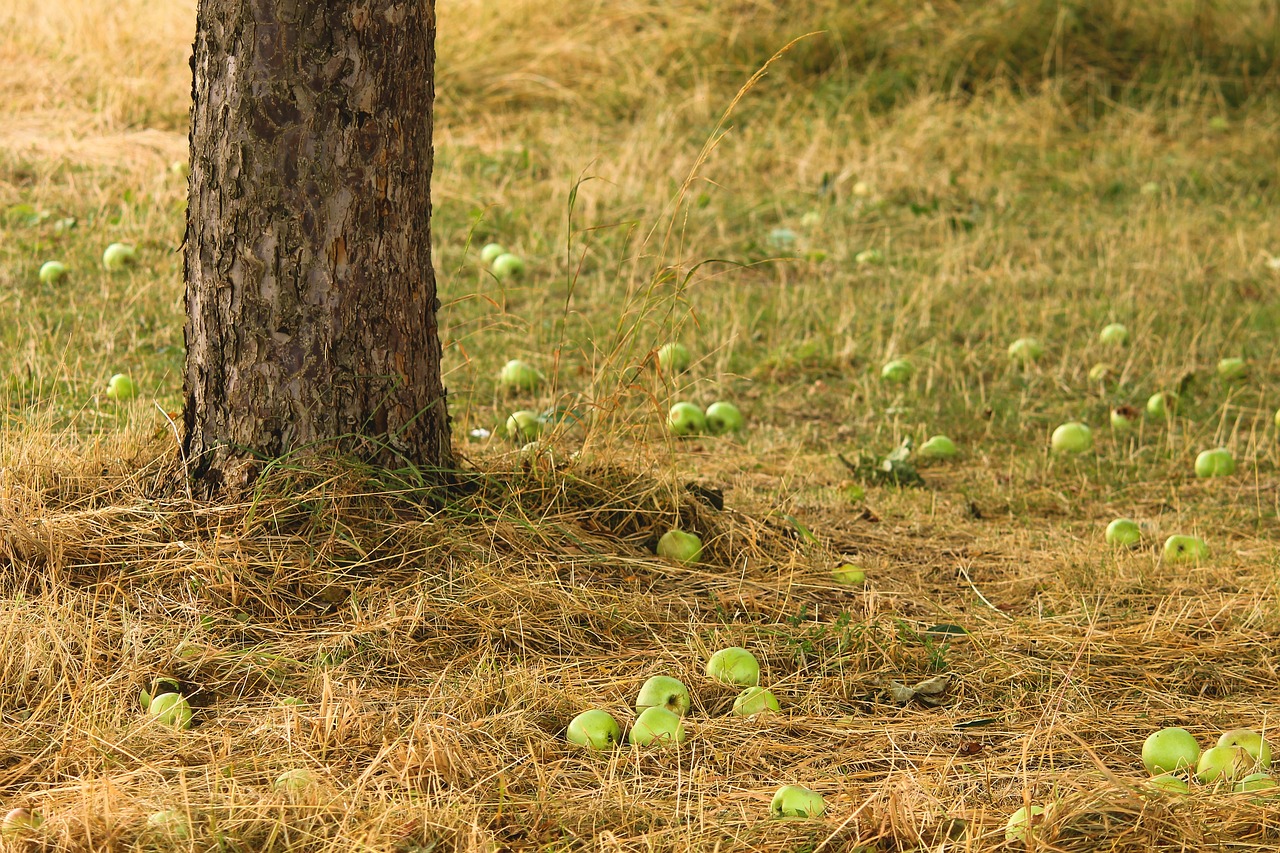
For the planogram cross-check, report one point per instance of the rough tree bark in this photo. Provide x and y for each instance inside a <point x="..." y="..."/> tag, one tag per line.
<point x="311" y="301"/>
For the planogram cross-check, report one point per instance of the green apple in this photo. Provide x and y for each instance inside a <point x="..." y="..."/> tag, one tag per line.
<point x="1124" y="418"/>
<point x="1170" y="750"/>
<point x="1149" y="188"/>
<point x="1123" y="533"/>
<point x="1114" y="334"/>
<point x="121" y="388"/>
<point x="1102" y="372"/>
<point x="20" y="822"/>
<point x="1162" y="404"/>
<point x="1251" y="742"/>
<point x="862" y="189"/>
<point x="117" y="256"/>
<point x="1254" y="782"/>
<point x="1169" y="784"/>
<point x="938" y="447"/>
<point x="595" y="729"/>
<point x="869" y="256"/>
<point x="170" y="822"/>
<point x="520" y="376"/>
<point x="170" y="709"/>
<point x="797" y="801"/>
<point x="897" y="371"/>
<point x="723" y="418"/>
<point x="1223" y="763"/>
<point x="686" y="419"/>
<point x="656" y="726"/>
<point x="849" y="575"/>
<point x="1215" y="463"/>
<point x="663" y="691"/>
<point x="1071" y="437"/>
<point x="507" y="266"/>
<point x="1025" y="350"/>
<point x="1185" y="549"/>
<point x="1015" y="830"/>
<point x="674" y="358"/>
<point x="51" y="271"/>
<point x="755" y="700"/>
<point x="1233" y="369"/>
<point x="524" y="425"/>
<point x="734" y="665"/>
<point x="293" y="781"/>
<point x="680" y="546"/>
<point x="159" y="686"/>
<point x="491" y="252"/>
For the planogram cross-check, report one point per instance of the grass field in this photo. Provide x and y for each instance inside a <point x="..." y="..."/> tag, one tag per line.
<point x="1019" y="169"/>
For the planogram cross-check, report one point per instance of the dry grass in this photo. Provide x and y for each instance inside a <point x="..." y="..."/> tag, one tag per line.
<point x="1029" y="168"/>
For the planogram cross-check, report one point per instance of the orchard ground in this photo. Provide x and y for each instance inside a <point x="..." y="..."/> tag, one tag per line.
<point x="1004" y="170"/>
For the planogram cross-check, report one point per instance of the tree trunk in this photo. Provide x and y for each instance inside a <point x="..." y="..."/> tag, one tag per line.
<point x="311" y="300"/>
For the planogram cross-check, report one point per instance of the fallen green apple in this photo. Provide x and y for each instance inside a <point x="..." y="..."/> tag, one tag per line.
<point x="1114" y="334"/>
<point x="1170" y="750"/>
<point x="1102" y="372"/>
<point x="117" y="256"/>
<point x="1123" y="533"/>
<point x="523" y="426"/>
<point x="897" y="371"/>
<point x="595" y="729"/>
<point x="1185" y="549"/>
<point x="724" y="418"/>
<point x="797" y="801"/>
<point x="507" y="266"/>
<point x="1162" y="404"/>
<point x="849" y="575"/>
<point x="1254" y="782"/>
<point x="491" y="252"/>
<point x="869" y="256"/>
<point x="1223" y="764"/>
<point x="1025" y="350"/>
<point x="293" y="781"/>
<point x="19" y="822"/>
<point x="1124" y="419"/>
<point x="52" y="271"/>
<point x="171" y="822"/>
<point x="656" y="726"/>
<point x="518" y="375"/>
<point x="663" y="691"/>
<point x="170" y="709"/>
<point x="1071" y="438"/>
<point x="121" y="388"/>
<point x="1233" y="369"/>
<point x="735" y="666"/>
<point x="1215" y="463"/>
<point x="674" y="358"/>
<point x="938" y="447"/>
<point x="1021" y="822"/>
<point x="755" y="700"/>
<point x="685" y="419"/>
<point x="1169" y="784"/>
<point x="680" y="546"/>
<point x="1251" y="742"/>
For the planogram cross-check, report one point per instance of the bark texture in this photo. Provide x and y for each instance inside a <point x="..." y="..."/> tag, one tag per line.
<point x="311" y="300"/>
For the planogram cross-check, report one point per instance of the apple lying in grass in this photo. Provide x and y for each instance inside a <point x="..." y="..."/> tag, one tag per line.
<point x="724" y="418"/>
<point x="1162" y="404"/>
<point x="755" y="700"/>
<point x="20" y="822"/>
<point x="1233" y="369"/>
<point x="685" y="419"/>
<point x="1124" y="419"/>
<point x="898" y="371"/>
<point x="1022" y="821"/>
<point x="656" y="726"/>
<point x="158" y="687"/>
<point x="117" y="256"/>
<point x="849" y="575"/>
<point x="938" y="447"/>
<point x="1114" y="334"/>
<point x="1223" y="763"/>
<point x="1215" y="463"/>
<point x="1025" y="350"/>
<point x="869" y="256"/>
<point x="735" y="666"/>
<point x="1071" y="438"/>
<point x="121" y="388"/>
<point x="663" y="691"/>
<point x="1170" y="750"/>
<point x="1251" y="742"/>
<point x="293" y="781"/>
<point x="170" y="822"/>
<point x="797" y="801"/>
<point x="674" y="358"/>
<point x="170" y="709"/>
<point x="595" y="729"/>
<point x="507" y="266"/>
<point x="1254" y="782"/>
<point x="680" y="546"/>
<point x="520" y="376"/>
<point x="1185" y="549"/>
<point x="491" y="252"/>
<point x="1169" y="784"/>
<point x="52" y="271"/>
<point x="1123" y="533"/>
<point x="1102" y="372"/>
<point x="524" y="425"/>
